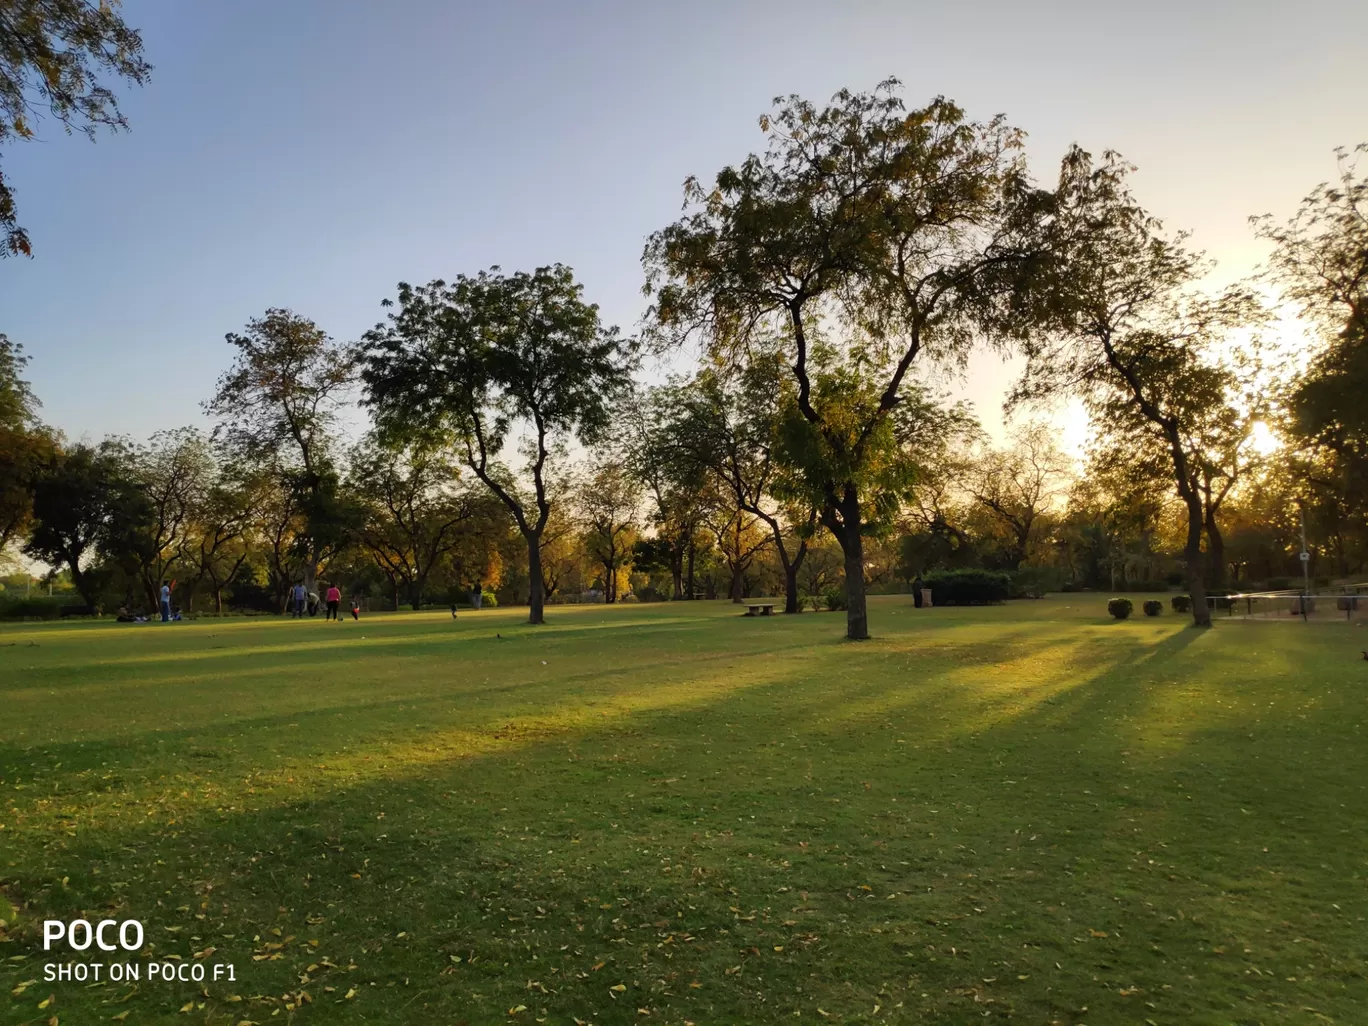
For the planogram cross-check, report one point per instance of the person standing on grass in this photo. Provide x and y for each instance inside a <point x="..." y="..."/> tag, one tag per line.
<point x="165" y="602"/>
<point x="313" y="603"/>
<point x="299" y="595"/>
<point x="334" y="597"/>
<point x="917" y="585"/>
<point x="356" y="608"/>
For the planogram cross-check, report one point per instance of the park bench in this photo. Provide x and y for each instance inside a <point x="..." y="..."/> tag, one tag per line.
<point x="760" y="609"/>
<point x="76" y="611"/>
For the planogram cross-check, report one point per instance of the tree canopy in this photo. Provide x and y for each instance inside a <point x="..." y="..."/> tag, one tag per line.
<point x="485" y="356"/>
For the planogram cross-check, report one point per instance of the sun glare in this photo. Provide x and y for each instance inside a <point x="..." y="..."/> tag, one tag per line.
<point x="1263" y="439"/>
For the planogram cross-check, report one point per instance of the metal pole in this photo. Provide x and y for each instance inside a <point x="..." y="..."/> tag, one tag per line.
<point x="1305" y="561"/>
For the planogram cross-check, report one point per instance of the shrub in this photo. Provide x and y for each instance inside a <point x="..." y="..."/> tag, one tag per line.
<point x="488" y="599"/>
<point x="1120" y="607"/>
<point x="834" y="599"/>
<point x="31" y="608"/>
<point x="1181" y="603"/>
<point x="968" y="587"/>
<point x="1034" y="582"/>
<point x="1153" y="607"/>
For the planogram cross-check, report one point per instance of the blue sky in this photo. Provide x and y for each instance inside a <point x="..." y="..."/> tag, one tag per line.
<point x="312" y="154"/>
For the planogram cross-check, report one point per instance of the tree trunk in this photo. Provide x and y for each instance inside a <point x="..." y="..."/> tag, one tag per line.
<point x="1192" y="557"/>
<point x="677" y="572"/>
<point x="536" y="586"/>
<point x="737" y="590"/>
<point x="85" y="587"/>
<point x="791" y="589"/>
<point x="689" y="579"/>
<point x="849" y="534"/>
<point x="218" y="599"/>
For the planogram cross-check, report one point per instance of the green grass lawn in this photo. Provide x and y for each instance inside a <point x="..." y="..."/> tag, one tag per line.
<point x="671" y="814"/>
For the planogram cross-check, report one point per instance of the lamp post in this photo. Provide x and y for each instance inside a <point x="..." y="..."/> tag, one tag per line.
<point x="1305" y="561"/>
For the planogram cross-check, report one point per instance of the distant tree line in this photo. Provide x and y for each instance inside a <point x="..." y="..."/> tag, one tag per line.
<point x="511" y="449"/>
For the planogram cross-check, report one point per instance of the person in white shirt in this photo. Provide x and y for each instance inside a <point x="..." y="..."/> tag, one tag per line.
<point x="166" y="602"/>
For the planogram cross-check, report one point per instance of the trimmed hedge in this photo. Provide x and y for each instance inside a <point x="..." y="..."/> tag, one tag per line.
<point x="1152" y="607"/>
<point x="968" y="587"/>
<point x="834" y="599"/>
<point x="32" y="608"/>
<point x="1181" y="603"/>
<point x="1120" y="607"/>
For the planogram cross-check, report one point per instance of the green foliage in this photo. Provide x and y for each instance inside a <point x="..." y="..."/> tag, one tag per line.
<point x="53" y="54"/>
<point x="488" y="600"/>
<point x="968" y="587"/>
<point x="87" y="503"/>
<point x="1120" y="608"/>
<point x="1153" y="607"/>
<point x="833" y="599"/>
<point x="467" y="363"/>
<point x="1181" y="603"/>
<point x="864" y="235"/>
<point x="1320" y="262"/>
<point x="20" y="608"/>
<point x="26" y="446"/>
<point x="1034" y="581"/>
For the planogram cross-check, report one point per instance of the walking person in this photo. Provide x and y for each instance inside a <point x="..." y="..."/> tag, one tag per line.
<point x="334" y="598"/>
<point x="165" y="602"/>
<point x="917" y="585"/>
<point x="299" y="593"/>
<point x="356" y="608"/>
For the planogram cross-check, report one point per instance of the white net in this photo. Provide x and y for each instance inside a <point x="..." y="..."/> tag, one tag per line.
<point x="1295" y="606"/>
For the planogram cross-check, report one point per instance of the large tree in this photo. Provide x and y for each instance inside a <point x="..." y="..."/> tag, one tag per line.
<point x="26" y="446"/>
<point x="1320" y="262"/>
<point x="415" y="508"/>
<point x="500" y="361"/>
<point x="608" y="499"/>
<point x="220" y="536"/>
<point x="86" y="505"/>
<point x="174" y="473"/>
<point x="729" y="421"/>
<point x="1132" y="334"/>
<point x="278" y="405"/>
<point x="866" y="235"/>
<point x="1018" y="485"/>
<point x="55" y="59"/>
<point x="676" y="486"/>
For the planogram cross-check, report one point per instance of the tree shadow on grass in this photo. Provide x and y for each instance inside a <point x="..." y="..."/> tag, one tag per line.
<point x="863" y="837"/>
